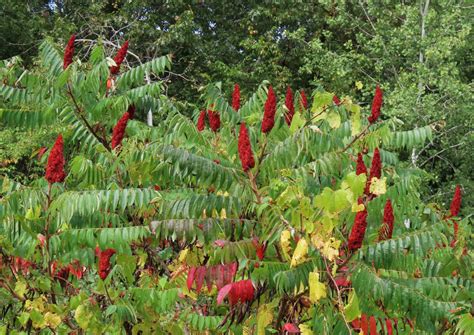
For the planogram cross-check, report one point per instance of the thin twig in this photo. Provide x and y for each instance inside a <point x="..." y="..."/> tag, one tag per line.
<point x="362" y="133"/>
<point x="86" y="123"/>
<point x="339" y="298"/>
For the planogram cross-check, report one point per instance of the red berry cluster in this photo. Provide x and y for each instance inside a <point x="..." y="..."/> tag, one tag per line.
<point x="360" y="167"/>
<point x="386" y="230"/>
<point x="269" y="111"/>
<point x="119" y="130"/>
<point x="121" y="54"/>
<point x="376" y="105"/>
<point x="214" y="120"/>
<point x="69" y="52"/>
<point x="201" y="123"/>
<point x="290" y="106"/>
<point x="245" y="149"/>
<point x="304" y="99"/>
<point x="236" y="98"/>
<point x="259" y="247"/>
<point x="104" y="261"/>
<point x="55" y="167"/>
<point x="358" y="229"/>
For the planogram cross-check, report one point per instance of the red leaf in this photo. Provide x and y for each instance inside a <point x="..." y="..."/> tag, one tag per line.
<point x="388" y="323"/>
<point x="291" y="328"/>
<point x="200" y="274"/>
<point x="233" y="269"/>
<point x="373" y="326"/>
<point x="76" y="269"/>
<point x="220" y="276"/>
<point x="343" y="282"/>
<point x="191" y="274"/>
<point x="364" y="325"/>
<point x="41" y="239"/>
<point x="209" y="278"/>
<point x="223" y="293"/>
<point x="356" y="324"/>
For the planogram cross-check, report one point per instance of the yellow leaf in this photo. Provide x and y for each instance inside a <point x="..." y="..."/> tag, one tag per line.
<point x="20" y="288"/>
<point x="317" y="290"/>
<point x="359" y="85"/>
<point x="52" y="320"/>
<point x="264" y="318"/>
<point x="190" y="294"/>
<point x="305" y="329"/>
<point x="378" y="186"/>
<point x="334" y="120"/>
<point x="357" y="208"/>
<point x="83" y="316"/>
<point x="320" y="100"/>
<point x="351" y="310"/>
<point x="328" y="247"/>
<point x="285" y="243"/>
<point x="355" y="119"/>
<point x="183" y="254"/>
<point x="300" y="254"/>
<point x="142" y="257"/>
<point x="37" y="304"/>
<point x="223" y="214"/>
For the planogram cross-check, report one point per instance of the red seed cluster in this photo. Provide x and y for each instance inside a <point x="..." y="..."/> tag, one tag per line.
<point x="131" y="111"/>
<point x="455" y="207"/>
<point x="304" y="99"/>
<point x="358" y="229"/>
<point x="386" y="230"/>
<point x="290" y="106"/>
<point x="360" y="167"/>
<point x="119" y="130"/>
<point x="69" y="52"/>
<point x="104" y="262"/>
<point x="241" y="291"/>
<point x="245" y="149"/>
<point x="376" y="105"/>
<point x="55" y="167"/>
<point x="201" y="123"/>
<point x="456" y="202"/>
<point x="375" y="170"/>
<point x="121" y="54"/>
<point x="336" y="100"/>
<point x="236" y="98"/>
<point x="376" y="167"/>
<point x="214" y="120"/>
<point x="269" y="112"/>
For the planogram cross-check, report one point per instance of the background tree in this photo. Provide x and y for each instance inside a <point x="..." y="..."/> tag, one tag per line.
<point x="420" y="52"/>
